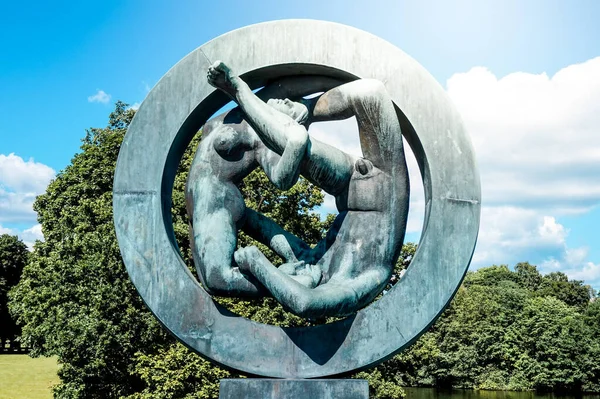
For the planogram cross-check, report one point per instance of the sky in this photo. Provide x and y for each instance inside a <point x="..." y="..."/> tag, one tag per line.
<point x="525" y="76"/>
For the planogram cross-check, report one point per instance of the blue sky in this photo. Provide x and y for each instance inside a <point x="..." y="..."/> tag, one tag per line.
<point x="522" y="73"/>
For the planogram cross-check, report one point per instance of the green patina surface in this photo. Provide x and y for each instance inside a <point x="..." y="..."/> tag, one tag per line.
<point x="183" y="101"/>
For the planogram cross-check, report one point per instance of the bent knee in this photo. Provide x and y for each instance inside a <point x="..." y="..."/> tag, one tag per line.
<point x="217" y="281"/>
<point x="370" y="88"/>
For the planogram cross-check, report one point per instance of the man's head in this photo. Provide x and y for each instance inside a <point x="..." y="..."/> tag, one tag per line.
<point x="296" y="110"/>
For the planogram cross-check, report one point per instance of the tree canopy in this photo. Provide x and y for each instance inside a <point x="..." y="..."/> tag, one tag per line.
<point x="13" y="257"/>
<point x="506" y="330"/>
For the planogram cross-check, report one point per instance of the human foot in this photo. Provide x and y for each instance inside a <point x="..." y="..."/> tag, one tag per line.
<point x="245" y="257"/>
<point x="314" y="272"/>
<point x="291" y="267"/>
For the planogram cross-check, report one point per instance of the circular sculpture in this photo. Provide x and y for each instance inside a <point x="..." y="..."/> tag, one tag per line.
<point x="182" y="102"/>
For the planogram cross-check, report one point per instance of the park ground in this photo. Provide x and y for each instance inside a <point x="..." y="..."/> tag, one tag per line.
<point x="22" y="377"/>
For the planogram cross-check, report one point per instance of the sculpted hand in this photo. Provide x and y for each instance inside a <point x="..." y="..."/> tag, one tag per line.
<point x="314" y="272"/>
<point x="220" y="76"/>
<point x="291" y="267"/>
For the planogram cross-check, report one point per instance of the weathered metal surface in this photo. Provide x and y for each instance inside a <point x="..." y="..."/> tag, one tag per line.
<point x="182" y="101"/>
<point x="255" y="388"/>
<point x="353" y="263"/>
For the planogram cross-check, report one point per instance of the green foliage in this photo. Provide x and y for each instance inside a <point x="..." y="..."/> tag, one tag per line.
<point x="571" y="292"/>
<point x="175" y="372"/>
<point x="381" y="387"/>
<point x="554" y="347"/>
<point x="490" y="276"/>
<point x="406" y="254"/>
<point x="592" y="317"/>
<point x="508" y="330"/>
<point x="292" y="209"/>
<point x="13" y="257"/>
<point x="75" y="300"/>
<point x="528" y="275"/>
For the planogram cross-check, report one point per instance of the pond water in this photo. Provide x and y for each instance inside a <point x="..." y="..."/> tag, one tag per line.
<point x="432" y="393"/>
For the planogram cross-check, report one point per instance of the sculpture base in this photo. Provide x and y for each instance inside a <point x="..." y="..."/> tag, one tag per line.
<point x="254" y="388"/>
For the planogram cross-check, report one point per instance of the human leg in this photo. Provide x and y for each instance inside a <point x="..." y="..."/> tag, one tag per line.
<point x="334" y="298"/>
<point x="213" y="240"/>
<point x="369" y="101"/>
<point x="269" y="233"/>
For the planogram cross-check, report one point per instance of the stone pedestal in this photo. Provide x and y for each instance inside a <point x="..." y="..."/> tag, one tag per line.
<point x="256" y="388"/>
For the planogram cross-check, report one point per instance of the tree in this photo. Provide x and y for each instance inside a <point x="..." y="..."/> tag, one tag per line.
<point x="13" y="257"/>
<point x="592" y="317"/>
<point x="571" y="292"/>
<point x="528" y="275"/>
<point x="472" y="343"/>
<point x="592" y="321"/>
<point x="554" y="347"/>
<point x="490" y="276"/>
<point x="406" y="256"/>
<point x="75" y="300"/>
<point x="502" y="331"/>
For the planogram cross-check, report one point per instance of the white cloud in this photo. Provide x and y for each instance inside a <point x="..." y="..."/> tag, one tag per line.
<point x="135" y="106"/>
<point x="329" y="204"/>
<point x="16" y="206"/>
<point x="537" y="140"/>
<point x="536" y="137"/>
<point x="511" y="234"/>
<point x="100" y="97"/>
<point x="24" y="176"/>
<point x="28" y="236"/>
<point x="340" y="134"/>
<point x="20" y="183"/>
<point x="589" y="273"/>
<point x="573" y="262"/>
<point x="5" y="230"/>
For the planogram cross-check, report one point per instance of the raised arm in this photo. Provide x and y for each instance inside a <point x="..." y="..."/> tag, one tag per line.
<point x="278" y="131"/>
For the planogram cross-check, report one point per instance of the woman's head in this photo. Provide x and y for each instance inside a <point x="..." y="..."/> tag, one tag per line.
<point x="296" y="110"/>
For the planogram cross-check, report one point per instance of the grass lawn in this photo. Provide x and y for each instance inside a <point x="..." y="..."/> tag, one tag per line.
<point x="22" y="377"/>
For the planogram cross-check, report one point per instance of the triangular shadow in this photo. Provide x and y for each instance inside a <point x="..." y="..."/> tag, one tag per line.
<point x="321" y="343"/>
